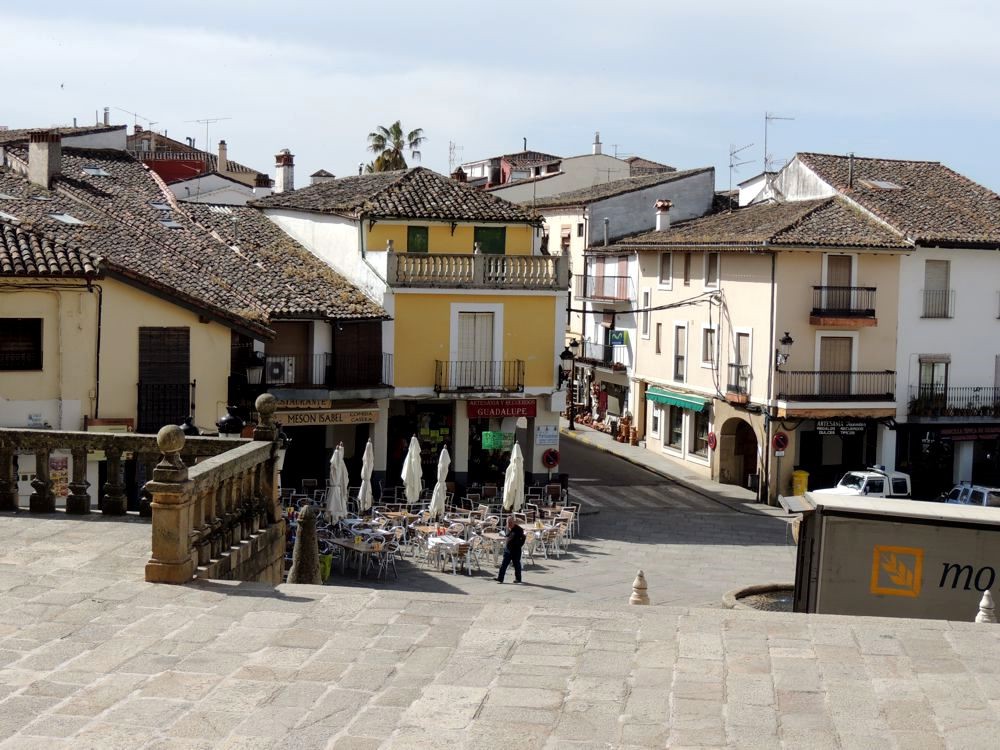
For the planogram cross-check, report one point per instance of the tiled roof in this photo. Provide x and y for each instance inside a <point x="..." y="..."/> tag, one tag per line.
<point x="827" y="222"/>
<point x="529" y="158"/>
<point x="583" y="196"/>
<point x="291" y="281"/>
<point x="123" y="219"/>
<point x="163" y="143"/>
<point x="21" y="135"/>
<point x="417" y="193"/>
<point x="932" y="205"/>
<point x="24" y="252"/>
<point x="640" y="166"/>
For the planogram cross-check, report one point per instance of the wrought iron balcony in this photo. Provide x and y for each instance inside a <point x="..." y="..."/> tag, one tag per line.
<point x="938" y="303"/>
<point x="614" y="356"/>
<point x="962" y="401"/>
<point x="843" y="302"/>
<point x="848" y="385"/>
<point x="738" y="383"/>
<point x="438" y="270"/>
<point x="488" y="376"/>
<point x="604" y="288"/>
<point x="334" y="371"/>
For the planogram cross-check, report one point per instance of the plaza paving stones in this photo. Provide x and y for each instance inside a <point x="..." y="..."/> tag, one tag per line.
<point x="93" y="657"/>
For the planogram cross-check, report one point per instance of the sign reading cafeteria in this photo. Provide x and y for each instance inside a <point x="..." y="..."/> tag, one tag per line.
<point x="326" y="416"/>
<point x="500" y="407"/>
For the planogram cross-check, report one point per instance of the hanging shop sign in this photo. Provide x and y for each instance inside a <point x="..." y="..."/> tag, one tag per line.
<point x="840" y="427"/>
<point x="326" y="416"/>
<point x="486" y="408"/>
<point x="618" y="338"/>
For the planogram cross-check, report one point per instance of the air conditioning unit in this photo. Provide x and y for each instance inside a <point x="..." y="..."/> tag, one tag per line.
<point x="280" y="370"/>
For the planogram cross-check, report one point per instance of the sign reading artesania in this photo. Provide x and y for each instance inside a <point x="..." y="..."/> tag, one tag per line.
<point x="485" y="408"/>
<point x="839" y="427"/>
<point x="326" y="416"/>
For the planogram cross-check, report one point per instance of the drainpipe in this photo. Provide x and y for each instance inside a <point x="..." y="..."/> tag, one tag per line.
<point x="772" y="409"/>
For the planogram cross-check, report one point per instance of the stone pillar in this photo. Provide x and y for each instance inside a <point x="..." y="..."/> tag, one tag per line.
<point x="8" y="480"/>
<point x="78" y="500"/>
<point x="42" y="499"/>
<point x="172" y="493"/>
<point x="267" y="430"/>
<point x="115" y="502"/>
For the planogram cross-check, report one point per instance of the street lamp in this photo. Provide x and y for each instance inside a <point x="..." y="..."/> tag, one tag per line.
<point x="783" y="351"/>
<point x="568" y="373"/>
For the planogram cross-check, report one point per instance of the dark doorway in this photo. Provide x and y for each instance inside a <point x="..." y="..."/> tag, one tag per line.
<point x="306" y="458"/>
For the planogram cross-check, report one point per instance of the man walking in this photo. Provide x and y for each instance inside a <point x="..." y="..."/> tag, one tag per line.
<point x="512" y="551"/>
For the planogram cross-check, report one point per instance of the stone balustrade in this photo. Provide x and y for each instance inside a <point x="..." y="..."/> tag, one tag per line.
<point x="478" y="271"/>
<point x="115" y="446"/>
<point x="222" y="518"/>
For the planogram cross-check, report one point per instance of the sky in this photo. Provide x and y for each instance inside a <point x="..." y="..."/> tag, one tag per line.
<point x="679" y="83"/>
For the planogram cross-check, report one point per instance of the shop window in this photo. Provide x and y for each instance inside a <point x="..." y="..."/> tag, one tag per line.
<point x="416" y="240"/>
<point x="699" y="436"/>
<point x="654" y="421"/>
<point x="20" y="343"/>
<point x="675" y="429"/>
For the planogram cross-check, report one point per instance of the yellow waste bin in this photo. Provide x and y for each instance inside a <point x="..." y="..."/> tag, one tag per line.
<point x="800" y="482"/>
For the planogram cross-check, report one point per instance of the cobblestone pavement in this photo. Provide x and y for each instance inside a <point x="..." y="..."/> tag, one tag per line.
<point x="92" y="657"/>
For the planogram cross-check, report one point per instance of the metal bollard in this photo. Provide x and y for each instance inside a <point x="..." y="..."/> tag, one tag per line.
<point x="639" y="595"/>
<point x="986" y="608"/>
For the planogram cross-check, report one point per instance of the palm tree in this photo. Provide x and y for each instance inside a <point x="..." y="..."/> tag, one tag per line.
<point x="388" y="145"/>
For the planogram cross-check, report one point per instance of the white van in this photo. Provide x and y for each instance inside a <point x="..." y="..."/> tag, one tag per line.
<point x="973" y="494"/>
<point x="873" y="482"/>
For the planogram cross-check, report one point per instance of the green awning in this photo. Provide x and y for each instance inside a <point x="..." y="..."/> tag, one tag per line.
<point x="683" y="400"/>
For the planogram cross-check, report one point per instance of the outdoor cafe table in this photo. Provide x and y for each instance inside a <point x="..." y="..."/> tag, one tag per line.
<point x="446" y="541"/>
<point x="362" y="550"/>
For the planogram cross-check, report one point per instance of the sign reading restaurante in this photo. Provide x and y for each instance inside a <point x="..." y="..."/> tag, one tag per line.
<point x="500" y="407"/>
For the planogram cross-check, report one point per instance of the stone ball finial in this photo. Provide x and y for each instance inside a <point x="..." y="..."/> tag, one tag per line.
<point x="170" y="439"/>
<point x="266" y="404"/>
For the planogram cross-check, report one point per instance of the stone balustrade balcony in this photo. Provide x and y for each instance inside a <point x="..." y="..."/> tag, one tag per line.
<point x="481" y="271"/>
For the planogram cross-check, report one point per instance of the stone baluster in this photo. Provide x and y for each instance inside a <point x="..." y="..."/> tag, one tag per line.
<point x="115" y="502"/>
<point x="78" y="500"/>
<point x="172" y="491"/>
<point x="246" y="505"/>
<point x="218" y="513"/>
<point x="8" y="480"/>
<point x="42" y="499"/>
<point x="203" y="526"/>
<point x="148" y="463"/>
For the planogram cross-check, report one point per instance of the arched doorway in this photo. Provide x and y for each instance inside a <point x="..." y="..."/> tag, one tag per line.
<point x="737" y="452"/>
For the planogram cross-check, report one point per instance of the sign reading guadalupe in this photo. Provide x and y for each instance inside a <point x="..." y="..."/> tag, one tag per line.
<point x="484" y="408"/>
<point x="326" y="416"/>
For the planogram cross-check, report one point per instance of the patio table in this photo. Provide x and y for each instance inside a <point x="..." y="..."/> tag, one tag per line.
<point x="447" y="541"/>
<point x="362" y="550"/>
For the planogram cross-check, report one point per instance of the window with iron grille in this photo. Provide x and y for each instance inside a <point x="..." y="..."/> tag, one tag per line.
<point x="20" y="343"/>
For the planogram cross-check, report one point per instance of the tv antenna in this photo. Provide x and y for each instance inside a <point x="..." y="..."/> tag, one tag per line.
<point x="136" y="117"/>
<point x="768" y="118"/>
<point x="206" y="121"/>
<point x="454" y="154"/>
<point x="734" y="164"/>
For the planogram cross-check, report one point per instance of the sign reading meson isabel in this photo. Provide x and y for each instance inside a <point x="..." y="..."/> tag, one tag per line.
<point x="326" y="416"/>
<point x="486" y="408"/>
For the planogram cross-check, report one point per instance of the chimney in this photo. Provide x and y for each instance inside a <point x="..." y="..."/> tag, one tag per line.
<point x="223" y="165"/>
<point x="597" y="143"/>
<point x="458" y="175"/>
<point x="607" y="221"/>
<point x="284" y="178"/>
<point x="663" y="214"/>
<point x="44" y="157"/>
<point x="321" y="176"/>
<point x="138" y="129"/>
<point x="107" y="116"/>
<point x="261" y="186"/>
<point x="850" y="170"/>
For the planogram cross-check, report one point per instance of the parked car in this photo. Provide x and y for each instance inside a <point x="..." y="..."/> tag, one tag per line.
<point x="972" y="494"/>
<point x="873" y="482"/>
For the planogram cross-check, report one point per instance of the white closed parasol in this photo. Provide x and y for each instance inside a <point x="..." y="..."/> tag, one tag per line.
<point x="513" y="482"/>
<point x="413" y="472"/>
<point x="440" y="488"/>
<point x="367" y="465"/>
